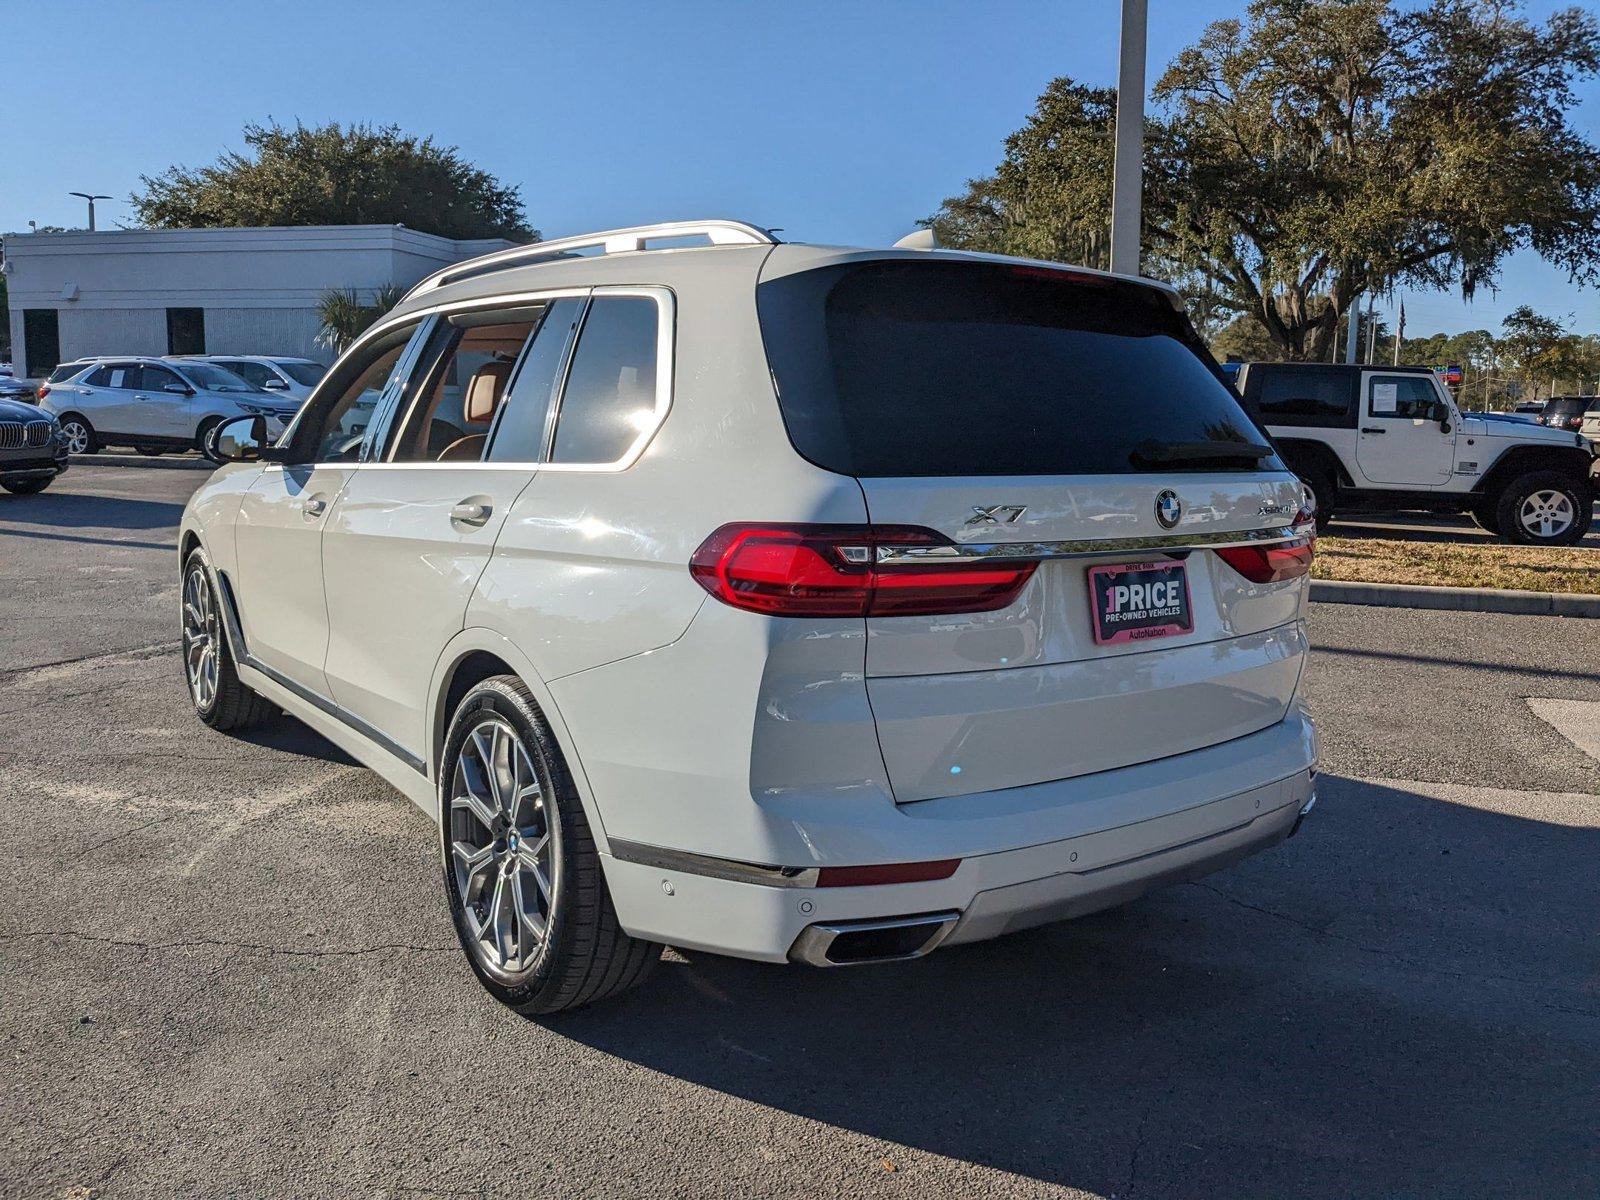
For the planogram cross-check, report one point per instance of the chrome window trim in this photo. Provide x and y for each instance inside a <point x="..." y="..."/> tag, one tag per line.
<point x="1092" y="547"/>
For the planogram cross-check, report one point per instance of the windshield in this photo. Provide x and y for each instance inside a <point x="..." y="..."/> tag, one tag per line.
<point x="304" y="373"/>
<point x="904" y="368"/>
<point x="213" y="378"/>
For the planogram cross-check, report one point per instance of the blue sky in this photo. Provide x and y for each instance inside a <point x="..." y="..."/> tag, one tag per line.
<point x="838" y="122"/>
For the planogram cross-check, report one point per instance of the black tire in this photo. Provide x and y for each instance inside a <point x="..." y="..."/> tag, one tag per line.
<point x="1568" y="493"/>
<point x="26" y="487"/>
<point x="1319" y="483"/>
<point x="205" y="439"/>
<point x="91" y="440"/>
<point x="224" y="703"/>
<point x="1483" y="517"/>
<point x="583" y="955"/>
<point x="150" y="451"/>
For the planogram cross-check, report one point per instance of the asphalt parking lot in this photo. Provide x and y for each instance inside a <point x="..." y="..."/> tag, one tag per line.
<point x="226" y="966"/>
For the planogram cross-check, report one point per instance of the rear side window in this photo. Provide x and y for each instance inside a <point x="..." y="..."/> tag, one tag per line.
<point x="115" y="375"/>
<point x="1300" y="395"/>
<point x="897" y="368"/>
<point x="610" y="397"/>
<point x="519" y="437"/>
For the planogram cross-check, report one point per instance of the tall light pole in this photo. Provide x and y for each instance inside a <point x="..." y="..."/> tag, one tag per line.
<point x="1128" y="168"/>
<point x="91" y="199"/>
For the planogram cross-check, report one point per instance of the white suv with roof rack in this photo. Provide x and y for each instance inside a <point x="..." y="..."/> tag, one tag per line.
<point x="789" y="602"/>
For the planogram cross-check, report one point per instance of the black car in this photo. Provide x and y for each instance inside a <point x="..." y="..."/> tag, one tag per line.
<point x="1564" y="412"/>
<point x="18" y="389"/>
<point x="33" y="450"/>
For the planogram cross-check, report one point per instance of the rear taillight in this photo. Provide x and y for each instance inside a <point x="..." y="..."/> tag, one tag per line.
<point x="1270" y="564"/>
<point x="839" y="571"/>
<point x="44" y="390"/>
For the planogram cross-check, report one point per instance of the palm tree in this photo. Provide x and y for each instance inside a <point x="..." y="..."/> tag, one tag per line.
<point x="344" y="317"/>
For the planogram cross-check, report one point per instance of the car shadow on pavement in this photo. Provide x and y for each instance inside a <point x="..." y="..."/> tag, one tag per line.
<point x="1360" y="1011"/>
<point x="75" y="510"/>
<point x="288" y="735"/>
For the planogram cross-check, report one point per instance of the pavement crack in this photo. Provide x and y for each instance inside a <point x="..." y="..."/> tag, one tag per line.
<point x="254" y="947"/>
<point x="137" y="652"/>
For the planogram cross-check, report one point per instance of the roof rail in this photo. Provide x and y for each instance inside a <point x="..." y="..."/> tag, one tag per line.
<point x="611" y="241"/>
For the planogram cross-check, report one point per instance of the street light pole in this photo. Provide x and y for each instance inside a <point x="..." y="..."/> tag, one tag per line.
<point x="91" y="199"/>
<point x="1128" y="168"/>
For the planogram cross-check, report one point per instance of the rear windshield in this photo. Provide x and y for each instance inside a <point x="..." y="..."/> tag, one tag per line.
<point x="895" y="368"/>
<point x="1566" y="406"/>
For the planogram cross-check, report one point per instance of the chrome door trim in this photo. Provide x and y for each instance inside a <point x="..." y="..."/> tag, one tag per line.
<point x="1092" y="547"/>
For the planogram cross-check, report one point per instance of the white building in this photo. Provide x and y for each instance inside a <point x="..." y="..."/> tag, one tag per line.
<point x="193" y="291"/>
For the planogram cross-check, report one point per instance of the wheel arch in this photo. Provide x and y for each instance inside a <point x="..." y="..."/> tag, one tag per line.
<point x="1519" y="460"/>
<point x="474" y="655"/>
<point x="1307" y="454"/>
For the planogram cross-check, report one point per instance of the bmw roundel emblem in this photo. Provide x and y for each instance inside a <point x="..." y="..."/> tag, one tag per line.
<point x="1168" y="509"/>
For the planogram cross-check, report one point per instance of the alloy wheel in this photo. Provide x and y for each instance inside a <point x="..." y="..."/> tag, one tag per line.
<point x="1547" y="513"/>
<point x="77" y="437"/>
<point x="505" y="847"/>
<point x="201" y="635"/>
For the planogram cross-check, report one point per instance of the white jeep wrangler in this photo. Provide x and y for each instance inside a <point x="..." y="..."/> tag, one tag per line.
<point x="1391" y="438"/>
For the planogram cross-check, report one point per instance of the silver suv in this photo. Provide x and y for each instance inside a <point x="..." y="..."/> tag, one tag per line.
<point x="789" y="602"/>
<point x="155" y="404"/>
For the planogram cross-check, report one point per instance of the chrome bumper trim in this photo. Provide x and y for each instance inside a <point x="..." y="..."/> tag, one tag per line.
<point x="666" y="859"/>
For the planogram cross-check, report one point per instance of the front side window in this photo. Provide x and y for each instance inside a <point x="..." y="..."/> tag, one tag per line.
<point x="154" y="379"/>
<point x="1403" y="397"/>
<point x="336" y="423"/>
<point x="256" y="375"/>
<point x="458" y="385"/>
<point x="306" y="374"/>
<point x="214" y="378"/>
<point x="610" y="396"/>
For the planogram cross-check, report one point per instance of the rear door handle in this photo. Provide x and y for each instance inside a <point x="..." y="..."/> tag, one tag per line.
<point x="467" y="513"/>
<point x="1372" y="429"/>
<point x="314" y="507"/>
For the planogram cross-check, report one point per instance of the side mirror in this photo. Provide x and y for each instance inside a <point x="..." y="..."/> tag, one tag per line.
<point x="177" y="389"/>
<point x="274" y="385"/>
<point x="242" y="439"/>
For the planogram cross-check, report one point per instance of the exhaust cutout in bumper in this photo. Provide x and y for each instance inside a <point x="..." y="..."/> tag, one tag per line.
<point x="853" y="943"/>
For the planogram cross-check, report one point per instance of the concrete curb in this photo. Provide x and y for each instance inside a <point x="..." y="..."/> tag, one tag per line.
<point x="1495" y="600"/>
<point x="167" y="462"/>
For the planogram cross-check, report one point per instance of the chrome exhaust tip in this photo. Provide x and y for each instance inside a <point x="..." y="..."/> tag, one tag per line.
<point x="854" y="943"/>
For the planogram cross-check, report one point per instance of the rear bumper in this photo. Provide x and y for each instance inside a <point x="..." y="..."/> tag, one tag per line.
<point x="993" y="891"/>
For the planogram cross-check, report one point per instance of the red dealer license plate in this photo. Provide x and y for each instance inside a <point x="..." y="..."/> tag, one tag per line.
<point x="1135" y="601"/>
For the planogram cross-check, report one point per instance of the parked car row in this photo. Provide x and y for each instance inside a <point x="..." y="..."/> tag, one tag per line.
<point x="155" y="405"/>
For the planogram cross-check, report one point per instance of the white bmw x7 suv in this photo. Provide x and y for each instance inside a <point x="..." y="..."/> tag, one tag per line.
<point x="780" y="601"/>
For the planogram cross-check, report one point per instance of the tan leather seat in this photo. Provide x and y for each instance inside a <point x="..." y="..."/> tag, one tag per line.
<point x="485" y="391"/>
